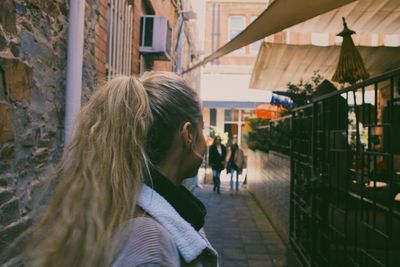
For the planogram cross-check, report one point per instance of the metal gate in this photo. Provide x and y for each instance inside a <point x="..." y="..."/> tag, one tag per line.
<point x="345" y="176"/>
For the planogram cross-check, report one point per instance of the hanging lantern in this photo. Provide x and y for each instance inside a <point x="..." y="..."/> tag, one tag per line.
<point x="350" y="68"/>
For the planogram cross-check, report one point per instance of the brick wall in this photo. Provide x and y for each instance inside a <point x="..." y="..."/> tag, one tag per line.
<point x="269" y="181"/>
<point x="160" y="8"/>
<point x="153" y="7"/>
<point x="137" y="13"/>
<point x="140" y="8"/>
<point x="100" y="40"/>
<point x="33" y="49"/>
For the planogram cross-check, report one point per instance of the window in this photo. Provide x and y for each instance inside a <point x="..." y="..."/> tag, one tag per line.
<point x="255" y="47"/>
<point x="232" y="129"/>
<point x="233" y="123"/>
<point x="246" y="113"/>
<point x="119" y="38"/>
<point x="213" y="117"/>
<point x="236" y="25"/>
<point x="231" y="115"/>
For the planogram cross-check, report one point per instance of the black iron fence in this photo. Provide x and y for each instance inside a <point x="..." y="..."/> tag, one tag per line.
<point x="345" y="176"/>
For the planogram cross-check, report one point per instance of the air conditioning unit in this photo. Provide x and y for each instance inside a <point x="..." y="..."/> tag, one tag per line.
<point x="155" y="37"/>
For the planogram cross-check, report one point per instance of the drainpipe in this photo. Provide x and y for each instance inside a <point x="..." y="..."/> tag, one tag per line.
<point x="218" y="29"/>
<point x="74" y="66"/>
<point x="212" y="29"/>
<point x="179" y="43"/>
<point x="179" y="47"/>
<point x="213" y="32"/>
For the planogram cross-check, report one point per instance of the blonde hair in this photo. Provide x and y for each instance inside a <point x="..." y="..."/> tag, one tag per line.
<point x="99" y="177"/>
<point x="125" y="122"/>
<point x="173" y="102"/>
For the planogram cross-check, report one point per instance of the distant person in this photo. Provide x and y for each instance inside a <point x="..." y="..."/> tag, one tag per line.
<point x="234" y="162"/>
<point x="118" y="201"/>
<point x="216" y="160"/>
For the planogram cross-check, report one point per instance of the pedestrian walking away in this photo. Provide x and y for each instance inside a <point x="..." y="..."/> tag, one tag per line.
<point x="234" y="162"/>
<point x="217" y="156"/>
<point x="119" y="199"/>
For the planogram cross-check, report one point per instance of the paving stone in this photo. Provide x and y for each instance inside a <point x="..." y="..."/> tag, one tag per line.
<point x="234" y="254"/>
<point x="259" y="256"/>
<point x="252" y="240"/>
<point x="258" y="263"/>
<point x="255" y="249"/>
<point x="239" y="230"/>
<point x="235" y="263"/>
<point x="229" y="244"/>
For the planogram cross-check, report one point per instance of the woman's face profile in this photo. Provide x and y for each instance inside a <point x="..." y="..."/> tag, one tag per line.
<point x="201" y="140"/>
<point x="196" y="154"/>
<point x="218" y="140"/>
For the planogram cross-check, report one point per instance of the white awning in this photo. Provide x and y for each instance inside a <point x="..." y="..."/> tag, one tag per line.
<point x="278" y="64"/>
<point x="366" y="17"/>
<point x="280" y="15"/>
<point x="378" y="40"/>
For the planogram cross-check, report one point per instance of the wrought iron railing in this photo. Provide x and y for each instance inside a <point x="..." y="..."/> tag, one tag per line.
<point x="345" y="176"/>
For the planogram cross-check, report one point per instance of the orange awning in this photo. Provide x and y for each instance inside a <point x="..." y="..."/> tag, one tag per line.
<point x="268" y="111"/>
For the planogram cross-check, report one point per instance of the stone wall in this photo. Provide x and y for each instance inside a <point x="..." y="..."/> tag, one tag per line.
<point x="269" y="181"/>
<point x="90" y="61"/>
<point x="33" y="47"/>
<point x="33" y="62"/>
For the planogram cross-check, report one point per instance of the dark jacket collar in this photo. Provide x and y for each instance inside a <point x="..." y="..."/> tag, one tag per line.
<point x="184" y="202"/>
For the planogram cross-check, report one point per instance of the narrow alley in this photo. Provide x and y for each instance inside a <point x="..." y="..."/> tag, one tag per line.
<point x="99" y="96"/>
<point x="240" y="231"/>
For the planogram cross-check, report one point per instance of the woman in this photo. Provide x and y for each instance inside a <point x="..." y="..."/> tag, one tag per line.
<point x="217" y="156"/>
<point x="234" y="162"/>
<point x="118" y="201"/>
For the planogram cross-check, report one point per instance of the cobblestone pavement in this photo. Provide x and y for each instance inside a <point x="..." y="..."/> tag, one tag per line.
<point x="239" y="230"/>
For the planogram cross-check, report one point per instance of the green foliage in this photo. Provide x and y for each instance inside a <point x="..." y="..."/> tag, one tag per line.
<point x="275" y="136"/>
<point x="257" y="137"/>
<point x="279" y="136"/>
<point x="301" y="92"/>
<point x="255" y="122"/>
<point x="266" y="136"/>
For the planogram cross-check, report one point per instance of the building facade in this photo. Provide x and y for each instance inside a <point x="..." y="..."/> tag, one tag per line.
<point x="227" y="99"/>
<point x="33" y="73"/>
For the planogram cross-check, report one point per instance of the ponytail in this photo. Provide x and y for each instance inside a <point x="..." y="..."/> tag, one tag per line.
<point x="99" y="178"/>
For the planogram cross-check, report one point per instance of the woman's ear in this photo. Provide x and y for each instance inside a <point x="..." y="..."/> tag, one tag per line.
<point x="187" y="135"/>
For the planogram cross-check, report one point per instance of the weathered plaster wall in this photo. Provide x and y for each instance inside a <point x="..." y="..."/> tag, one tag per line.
<point x="268" y="179"/>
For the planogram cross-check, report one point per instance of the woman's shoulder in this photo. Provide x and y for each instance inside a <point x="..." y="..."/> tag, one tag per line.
<point x="147" y="229"/>
<point x="146" y="241"/>
<point x="143" y="222"/>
